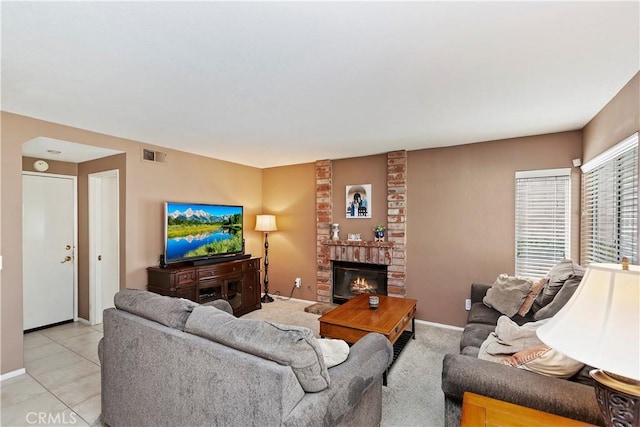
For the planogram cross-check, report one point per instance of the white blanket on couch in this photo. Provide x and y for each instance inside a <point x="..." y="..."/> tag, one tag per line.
<point x="509" y="338"/>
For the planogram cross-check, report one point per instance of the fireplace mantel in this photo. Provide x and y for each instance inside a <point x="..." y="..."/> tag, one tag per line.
<point x="360" y="251"/>
<point x="359" y="243"/>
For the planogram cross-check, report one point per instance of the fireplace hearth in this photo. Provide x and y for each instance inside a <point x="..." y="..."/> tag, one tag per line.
<point x="354" y="278"/>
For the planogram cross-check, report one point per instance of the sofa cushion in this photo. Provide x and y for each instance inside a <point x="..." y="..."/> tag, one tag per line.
<point x="474" y="335"/>
<point x="507" y="294"/>
<point x="562" y="297"/>
<point x="559" y="274"/>
<point x="292" y="346"/>
<point x="168" y="311"/>
<point x="481" y="313"/>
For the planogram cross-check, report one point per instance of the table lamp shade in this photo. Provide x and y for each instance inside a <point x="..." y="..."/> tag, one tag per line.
<point x="600" y="324"/>
<point x="266" y="223"/>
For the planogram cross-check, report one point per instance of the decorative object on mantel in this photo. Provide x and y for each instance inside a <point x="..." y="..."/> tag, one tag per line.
<point x="266" y="223"/>
<point x="600" y="327"/>
<point x="335" y="229"/>
<point x="378" y="232"/>
<point x="359" y="201"/>
<point x="354" y="237"/>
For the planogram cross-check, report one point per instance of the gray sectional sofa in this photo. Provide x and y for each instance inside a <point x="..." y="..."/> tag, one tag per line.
<point x="572" y="398"/>
<point x="169" y="361"/>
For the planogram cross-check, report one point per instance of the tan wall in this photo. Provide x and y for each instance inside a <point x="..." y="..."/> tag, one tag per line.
<point x="117" y="162"/>
<point x="11" y="309"/>
<point x="186" y="177"/>
<point x="616" y="121"/>
<point x="289" y="193"/>
<point x="460" y="216"/>
<point x="55" y="167"/>
<point x="361" y="170"/>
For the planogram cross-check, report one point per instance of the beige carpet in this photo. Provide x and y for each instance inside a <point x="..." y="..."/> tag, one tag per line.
<point x="413" y="396"/>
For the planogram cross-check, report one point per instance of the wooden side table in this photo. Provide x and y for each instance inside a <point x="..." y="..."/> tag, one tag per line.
<point x="480" y="410"/>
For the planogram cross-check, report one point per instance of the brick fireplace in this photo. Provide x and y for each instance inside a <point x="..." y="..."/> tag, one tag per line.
<point x="391" y="253"/>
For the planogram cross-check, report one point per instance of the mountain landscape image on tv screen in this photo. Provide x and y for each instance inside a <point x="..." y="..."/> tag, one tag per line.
<point x="200" y="231"/>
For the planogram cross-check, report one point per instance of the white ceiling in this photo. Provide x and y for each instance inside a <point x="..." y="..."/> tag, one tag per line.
<point x="55" y="149"/>
<point x="275" y="83"/>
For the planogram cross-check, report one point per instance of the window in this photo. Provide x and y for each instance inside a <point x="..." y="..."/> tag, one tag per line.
<point x="610" y="205"/>
<point x="543" y="217"/>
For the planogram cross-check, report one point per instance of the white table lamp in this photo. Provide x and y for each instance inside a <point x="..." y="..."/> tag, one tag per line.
<point x="600" y="326"/>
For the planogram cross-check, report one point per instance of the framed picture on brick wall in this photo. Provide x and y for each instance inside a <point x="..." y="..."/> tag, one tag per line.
<point x="358" y="201"/>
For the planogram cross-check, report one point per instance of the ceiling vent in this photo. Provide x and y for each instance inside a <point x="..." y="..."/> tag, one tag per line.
<point x="153" y="156"/>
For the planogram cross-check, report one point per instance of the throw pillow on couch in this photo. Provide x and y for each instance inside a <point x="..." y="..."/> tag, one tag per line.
<point x="544" y="297"/>
<point x="564" y="279"/>
<point x="507" y="294"/>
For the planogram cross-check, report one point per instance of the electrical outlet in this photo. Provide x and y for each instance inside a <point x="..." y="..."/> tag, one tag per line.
<point x="467" y="304"/>
<point x="298" y="282"/>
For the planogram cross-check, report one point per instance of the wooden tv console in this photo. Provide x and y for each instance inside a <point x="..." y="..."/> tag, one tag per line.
<point x="237" y="281"/>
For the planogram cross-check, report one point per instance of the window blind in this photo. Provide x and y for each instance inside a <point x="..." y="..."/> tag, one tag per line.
<point x="543" y="220"/>
<point x="610" y="205"/>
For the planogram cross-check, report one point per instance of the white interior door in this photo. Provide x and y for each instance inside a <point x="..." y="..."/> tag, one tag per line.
<point x="104" y="242"/>
<point x="48" y="249"/>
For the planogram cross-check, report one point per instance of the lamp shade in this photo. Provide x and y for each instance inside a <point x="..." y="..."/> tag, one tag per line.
<point x="266" y="223"/>
<point x="600" y="324"/>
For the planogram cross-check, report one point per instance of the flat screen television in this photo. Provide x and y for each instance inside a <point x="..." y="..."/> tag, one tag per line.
<point x="200" y="232"/>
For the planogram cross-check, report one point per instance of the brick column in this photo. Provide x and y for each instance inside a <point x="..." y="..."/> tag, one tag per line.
<point x="324" y="218"/>
<point x="396" y="220"/>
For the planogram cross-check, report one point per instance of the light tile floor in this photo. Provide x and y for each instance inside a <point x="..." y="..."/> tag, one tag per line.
<point x="62" y="383"/>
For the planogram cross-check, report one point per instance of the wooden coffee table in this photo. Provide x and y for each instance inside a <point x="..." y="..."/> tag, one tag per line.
<point x="354" y="319"/>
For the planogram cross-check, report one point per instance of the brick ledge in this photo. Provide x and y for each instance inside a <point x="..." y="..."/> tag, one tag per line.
<point x="359" y="243"/>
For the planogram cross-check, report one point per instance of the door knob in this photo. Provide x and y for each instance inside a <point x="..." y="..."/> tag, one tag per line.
<point x="67" y="247"/>
<point x="66" y="259"/>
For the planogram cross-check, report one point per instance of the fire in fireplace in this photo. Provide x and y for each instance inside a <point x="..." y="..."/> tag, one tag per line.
<point x="353" y="278"/>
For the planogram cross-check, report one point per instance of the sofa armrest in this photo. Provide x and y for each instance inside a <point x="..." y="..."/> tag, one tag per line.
<point x="478" y="291"/>
<point x="101" y="350"/>
<point x="220" y="304"/>
<point x="350" y="382"/>
<point x="558" y="396"/>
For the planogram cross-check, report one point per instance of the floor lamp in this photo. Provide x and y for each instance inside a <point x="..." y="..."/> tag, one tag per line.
<point x="266" y="223"/>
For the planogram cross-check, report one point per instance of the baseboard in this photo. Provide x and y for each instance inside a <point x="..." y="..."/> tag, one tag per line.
<point x="439" y="325"/>
<point x="283" y="298"/>
<point x="13" y="374"/>
<point x="302" y="300"/>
